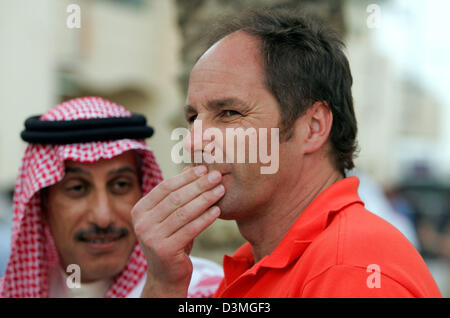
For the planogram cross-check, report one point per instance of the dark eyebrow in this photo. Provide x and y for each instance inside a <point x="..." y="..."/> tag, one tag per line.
<point x="217" y="104"/>
<point x="188" y="109"/>
<point x="113" y="172"/>
<point x="76" y="170"/>
<point x="122" y="170"/>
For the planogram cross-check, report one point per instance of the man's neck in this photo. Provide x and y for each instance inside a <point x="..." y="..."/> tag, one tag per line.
<point x="267" y="229"/>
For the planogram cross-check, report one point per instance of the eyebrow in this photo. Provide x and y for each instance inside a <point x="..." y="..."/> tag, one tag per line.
<point x="217" y="104"/>
<point x="113" y="172"/>
<point x="122" y="170"/>
<point x="76" y="170"/>
<point x="188" y="109"/>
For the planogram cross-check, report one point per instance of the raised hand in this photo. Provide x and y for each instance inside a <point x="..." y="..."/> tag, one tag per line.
<point x="167" y="220"/>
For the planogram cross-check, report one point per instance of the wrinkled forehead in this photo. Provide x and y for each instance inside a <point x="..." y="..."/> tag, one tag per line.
<point x="231" y="69"/>
<point x="235" y="57"/>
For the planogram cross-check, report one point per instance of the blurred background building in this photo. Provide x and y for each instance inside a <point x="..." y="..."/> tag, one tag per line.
<point x="139" y="53"/>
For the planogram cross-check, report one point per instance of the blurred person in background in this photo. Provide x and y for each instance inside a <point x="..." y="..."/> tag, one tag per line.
<point x="86" y="166"/>
<point x="308" y="232"/>
<point x="376" y="201"/>
<point x="424" y="198"/>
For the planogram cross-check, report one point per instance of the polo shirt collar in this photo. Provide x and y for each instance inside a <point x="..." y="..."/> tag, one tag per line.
<point x="313" y="220"/>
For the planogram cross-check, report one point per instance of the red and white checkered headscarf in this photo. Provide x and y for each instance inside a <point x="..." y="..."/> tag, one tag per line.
<point x="33" y="250"/>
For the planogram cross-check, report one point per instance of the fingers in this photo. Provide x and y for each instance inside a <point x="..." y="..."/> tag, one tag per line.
<point x="194" y="194"/>
<point x="184" y="236"/>
<point x="182" y="206"/>
<point x="179" y="198"/>
<point x="192" y="209"/>
<point x="167" y="220"/>
<point x="163" y="189"/>
<point x="164" y="246"/>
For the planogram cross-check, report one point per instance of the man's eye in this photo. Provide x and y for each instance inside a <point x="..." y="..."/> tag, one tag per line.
<point x="121" y="186"/>
<point x="190" y="119"/>
<point x="76" y="188"/>
<point x="230" y="113"/>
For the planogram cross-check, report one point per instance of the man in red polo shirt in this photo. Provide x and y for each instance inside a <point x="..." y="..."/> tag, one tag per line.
<point x="307" y="230"/>
<point x="336" y="248"/>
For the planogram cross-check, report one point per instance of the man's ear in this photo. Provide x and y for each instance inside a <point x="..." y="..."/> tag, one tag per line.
<point x="315" y="126"/>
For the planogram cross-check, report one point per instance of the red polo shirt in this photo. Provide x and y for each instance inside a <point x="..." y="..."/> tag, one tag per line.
<point x="336" y="248"/>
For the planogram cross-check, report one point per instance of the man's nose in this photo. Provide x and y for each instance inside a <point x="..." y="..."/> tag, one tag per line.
<point x="193" y="141"/>
<point x="101" y="210"/>
<point x="196" y="140"/>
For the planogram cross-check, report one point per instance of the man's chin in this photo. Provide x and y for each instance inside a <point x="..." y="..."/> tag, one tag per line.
<point x="102" y="262"/>
<point x="97" y="271"/>
<point x="229" y="209"/>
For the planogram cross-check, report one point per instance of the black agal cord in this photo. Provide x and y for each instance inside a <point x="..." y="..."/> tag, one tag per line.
<point x="85" y="130"/>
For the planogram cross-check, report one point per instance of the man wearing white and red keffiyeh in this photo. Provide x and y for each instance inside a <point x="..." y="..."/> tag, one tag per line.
<point x="41" y="249"/>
